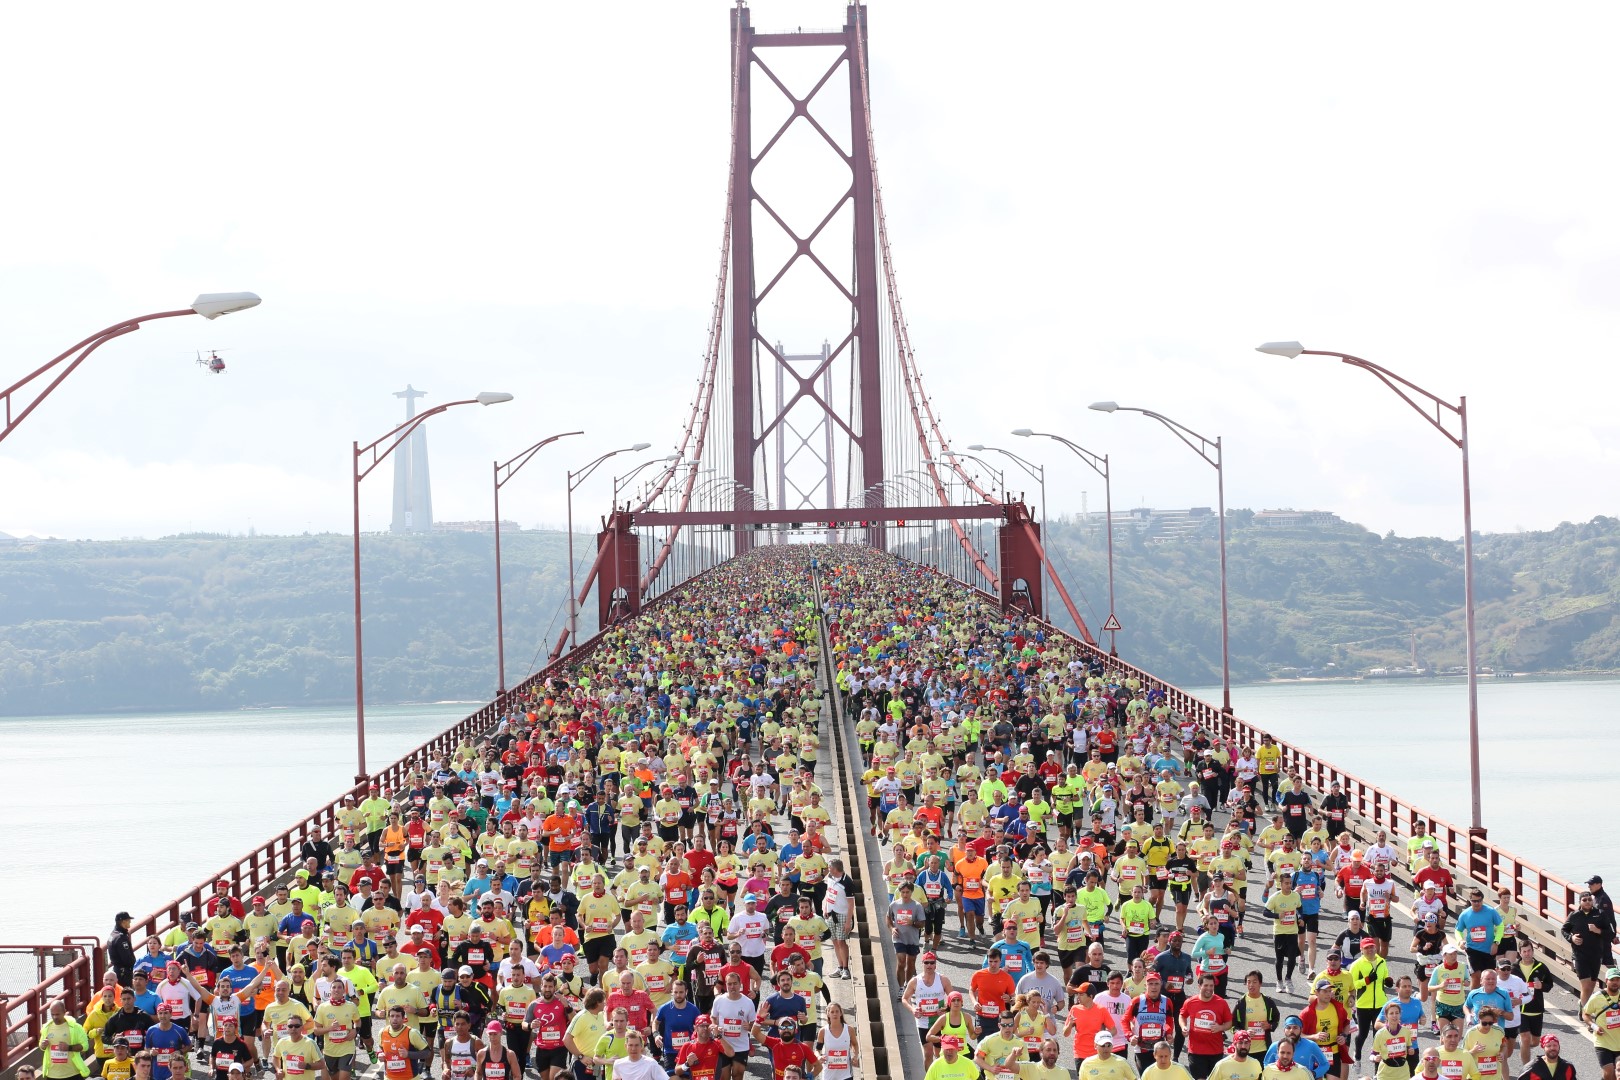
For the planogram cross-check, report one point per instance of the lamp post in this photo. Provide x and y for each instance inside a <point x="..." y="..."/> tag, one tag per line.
<point x="624" y="478"/>
<point x="1001" y="477"/>
<point x="208" y="305"/>
<point x="1203" y="448"/>
<point x="1405" y="389"/>
<point x="378" y="454"/>
<point x="1099" y="465"/>
<point x="504" y="471"/>
<point x="1034" y="471"/>
<point x="576" y="478"/>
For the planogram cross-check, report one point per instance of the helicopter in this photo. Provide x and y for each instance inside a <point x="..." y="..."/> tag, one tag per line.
<point x="212" y="362"/>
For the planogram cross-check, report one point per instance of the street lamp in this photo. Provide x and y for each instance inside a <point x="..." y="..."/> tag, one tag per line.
<point x="1001" y="477"/>
<point x="509" y="469"/>
<point x="1034" y="471"/>
<point x="1203" y="448"/>
<point x="576" y="478"/>
<point x="208" y="305"/>
<point x="379" y="453"/>
<point x="1099" y="465"/>
<point x="624" y="478"/>
<point x="1436" y="419"/>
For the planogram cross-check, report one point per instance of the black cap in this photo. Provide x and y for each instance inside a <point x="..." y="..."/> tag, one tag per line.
<point x="121" y="916"/>
<point x="1595" y="879"/>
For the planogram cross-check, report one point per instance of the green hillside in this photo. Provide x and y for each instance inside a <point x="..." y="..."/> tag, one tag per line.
<point x="196" y="622"/>
<point x="1308" y="597"/>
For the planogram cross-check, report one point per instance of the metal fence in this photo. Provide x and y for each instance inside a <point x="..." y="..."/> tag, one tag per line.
<point x="82" y="958"/>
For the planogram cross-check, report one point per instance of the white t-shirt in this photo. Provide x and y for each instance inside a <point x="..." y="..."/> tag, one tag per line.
<point x="836" y="902"/>
<point x="645" y="1069"/>
<point x="752" y="931"/>
<point x="732" y="1020"/>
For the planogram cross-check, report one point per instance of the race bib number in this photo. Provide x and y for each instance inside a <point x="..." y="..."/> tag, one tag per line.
<point x="1476" y="934"/>
<point x="1307" y="892"/>
<point x="396" y="1065"/>
<point x="1378" y="907"/>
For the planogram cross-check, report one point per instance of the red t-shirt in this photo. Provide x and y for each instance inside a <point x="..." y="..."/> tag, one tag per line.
<point x="699" y="861"/>
<point x="1437" y="874"/>
<point x="783" y="953"/>
<point x="750" y="977"/>
<point x="703" y="1058"/>
<point x="784" y="1054"/>
<point x="1351" y="877"/>
<point x="1202" y="1021"/>
<point x="550" y="1021"/>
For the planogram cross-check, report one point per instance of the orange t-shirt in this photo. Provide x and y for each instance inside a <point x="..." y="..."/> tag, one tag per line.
<point x="970" y="877"/>
<point x="993" y="989"/>
<point x="567" y="828"/>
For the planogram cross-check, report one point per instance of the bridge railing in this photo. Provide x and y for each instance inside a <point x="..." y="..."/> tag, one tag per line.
<point x="83" y="959"/>
<point x="22" y="1015"/>
<point x="1533" y="888"/>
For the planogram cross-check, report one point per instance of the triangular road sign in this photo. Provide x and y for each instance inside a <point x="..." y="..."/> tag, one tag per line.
<point x="1112" y="623"/>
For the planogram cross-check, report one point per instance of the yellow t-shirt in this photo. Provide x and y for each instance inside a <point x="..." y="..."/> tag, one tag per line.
<point x="339" y="1022"/>
<point x="597" y="915"/>
<point x="299" y="1057"/>
<point x="1606" y="1012"/>
<point x="1399" y="1045"/>
<point x="1230" y="1068"/>
<point x="1284" y="905"/>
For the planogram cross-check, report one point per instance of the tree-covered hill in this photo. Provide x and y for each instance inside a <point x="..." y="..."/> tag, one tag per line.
<point x="198" y="622"/>
<point x="1307" y="597"/>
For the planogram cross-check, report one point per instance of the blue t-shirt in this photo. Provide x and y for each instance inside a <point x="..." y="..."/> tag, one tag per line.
<point x="1312" y="904"/>
<point x="239" y="978"/>
<point x="1478" y="929"/>
<point x="778" y="1007"/>
<point x="158" y="1039"/>
<point x="670" y="1019"/>
<point x="1497" y="999"/>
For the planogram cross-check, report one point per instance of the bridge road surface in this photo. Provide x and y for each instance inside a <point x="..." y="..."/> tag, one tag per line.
<point x="844" y="991"/>
<point x="958" y="961"/>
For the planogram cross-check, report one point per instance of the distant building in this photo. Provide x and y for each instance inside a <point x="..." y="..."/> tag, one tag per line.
<point x="413" y="490"/>
<point x="475" y="526"/>
<point x="1289" y="518"/>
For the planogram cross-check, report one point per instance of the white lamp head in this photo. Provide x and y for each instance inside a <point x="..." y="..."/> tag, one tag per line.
<point x="641" y="446"/>
<point x="1023" y="431"/>
<point x="212" y="305"/>
<point x="491" y="397"/>
<point x="1290" y="349"/>
<point x="1105" y="406"/>
<point x="977" y="448"/>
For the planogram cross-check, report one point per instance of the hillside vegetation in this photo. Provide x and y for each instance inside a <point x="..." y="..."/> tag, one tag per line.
<point x="1302" y="599"/>
<point x="199" y="622"/>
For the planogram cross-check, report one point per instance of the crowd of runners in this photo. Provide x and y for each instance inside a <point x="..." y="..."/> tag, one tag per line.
<point x="635" y="876"/>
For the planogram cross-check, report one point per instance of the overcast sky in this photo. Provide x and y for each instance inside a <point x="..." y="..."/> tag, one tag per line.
<point x="1087" y="201"/>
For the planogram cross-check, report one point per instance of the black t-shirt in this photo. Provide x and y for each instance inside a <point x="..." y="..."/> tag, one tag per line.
<point x="223" y="1054"/>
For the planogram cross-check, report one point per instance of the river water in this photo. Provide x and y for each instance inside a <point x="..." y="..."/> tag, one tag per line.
<point x="1546" y="747"/>
<point x="103" y="813"/>
<point x="99" y="813"/>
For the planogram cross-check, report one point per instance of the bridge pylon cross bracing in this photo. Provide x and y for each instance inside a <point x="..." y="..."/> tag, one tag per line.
<point x="781" y="442"/>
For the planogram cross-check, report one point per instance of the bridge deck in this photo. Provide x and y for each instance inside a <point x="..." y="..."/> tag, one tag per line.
<point x="873" y="992"/>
